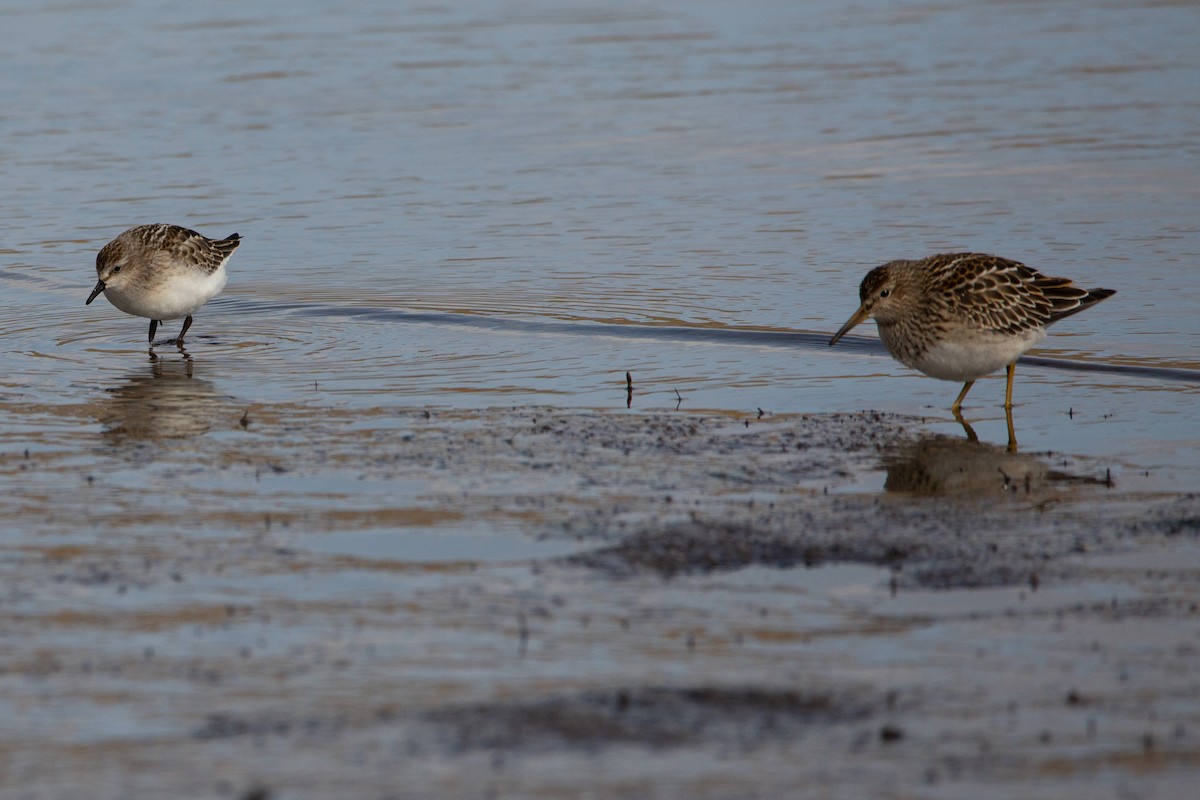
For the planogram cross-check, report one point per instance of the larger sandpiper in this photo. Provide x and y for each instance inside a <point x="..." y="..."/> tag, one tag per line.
<point x="162" y="272"/>
<point x="960" y="316"/>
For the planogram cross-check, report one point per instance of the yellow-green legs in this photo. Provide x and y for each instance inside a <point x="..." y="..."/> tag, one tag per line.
<point x="958" y="400"/>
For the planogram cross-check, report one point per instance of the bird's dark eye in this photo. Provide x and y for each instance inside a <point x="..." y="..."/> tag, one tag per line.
<point x="885" y="292"/>
<point x="116" y="269"/>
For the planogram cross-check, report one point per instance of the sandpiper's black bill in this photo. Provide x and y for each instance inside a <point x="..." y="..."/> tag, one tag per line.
<point x="99" y="288"/>
<point x="858" y="317"/>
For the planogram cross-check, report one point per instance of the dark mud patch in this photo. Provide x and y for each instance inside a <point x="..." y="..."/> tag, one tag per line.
<point x="737" y="717"/>
<point x="656" y="717"/>
<point x="230" y="725"/>
<point x="700" y="547"/>
<point x="690" y="453"/>
<point x="927" y="542"/>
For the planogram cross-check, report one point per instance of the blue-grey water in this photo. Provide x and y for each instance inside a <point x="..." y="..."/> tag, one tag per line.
<point x="634" y="164"/>
<point x="480" y="205"/>
<point x="715" y="165"/>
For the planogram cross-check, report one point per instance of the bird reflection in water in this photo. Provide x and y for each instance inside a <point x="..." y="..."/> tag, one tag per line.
<point x="950" y="466"/>
<point x="973" y="437"/>
<point x="165" y="402"/>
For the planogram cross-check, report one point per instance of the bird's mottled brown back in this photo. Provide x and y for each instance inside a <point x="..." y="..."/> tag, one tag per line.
<point x="1000" y="295"/>
<point x="181" y="243"/>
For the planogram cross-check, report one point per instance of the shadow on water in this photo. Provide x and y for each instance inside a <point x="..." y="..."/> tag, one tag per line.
<point x="715" y="334"/>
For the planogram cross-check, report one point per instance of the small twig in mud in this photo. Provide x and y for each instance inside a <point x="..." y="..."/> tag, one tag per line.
<point x="522" y="633"/>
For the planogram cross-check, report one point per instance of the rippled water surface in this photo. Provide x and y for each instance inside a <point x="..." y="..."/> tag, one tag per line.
<point x="633" y="164"/>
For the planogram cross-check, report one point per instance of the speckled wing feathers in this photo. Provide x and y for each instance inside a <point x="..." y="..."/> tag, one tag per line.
<point x="1066" y="298"/>
<point x="187" y="245"/>
<point x="1004" y="296"/>
<point x="176" y="243"/>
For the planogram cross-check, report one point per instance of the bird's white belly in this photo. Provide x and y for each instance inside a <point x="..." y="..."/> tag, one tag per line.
<point x="968" y="358"/>
<point x="175" y="297"/>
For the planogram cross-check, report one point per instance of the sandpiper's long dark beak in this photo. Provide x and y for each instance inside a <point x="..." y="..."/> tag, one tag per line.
<point x="99" y="288"/>
<point x="860" y="315"/>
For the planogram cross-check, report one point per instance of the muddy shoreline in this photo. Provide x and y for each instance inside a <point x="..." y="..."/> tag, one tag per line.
<point x="241" y="601"/>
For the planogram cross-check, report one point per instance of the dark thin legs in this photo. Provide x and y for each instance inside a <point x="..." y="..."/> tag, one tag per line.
<point x="187" y="323"/>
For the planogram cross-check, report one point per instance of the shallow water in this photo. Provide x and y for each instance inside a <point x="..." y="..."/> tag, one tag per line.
<point x="514" y="204"/>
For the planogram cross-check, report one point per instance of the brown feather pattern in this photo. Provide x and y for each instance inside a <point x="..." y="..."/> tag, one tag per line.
<point x="986" y="292"/>
<point x="183" y="244"/>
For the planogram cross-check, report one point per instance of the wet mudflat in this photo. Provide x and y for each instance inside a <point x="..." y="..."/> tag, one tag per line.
<point x="704" y="605"/>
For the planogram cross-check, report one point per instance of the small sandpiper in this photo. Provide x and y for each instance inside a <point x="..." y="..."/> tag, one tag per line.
<point x="960" y="316"/>
<point x="162" y="272"/>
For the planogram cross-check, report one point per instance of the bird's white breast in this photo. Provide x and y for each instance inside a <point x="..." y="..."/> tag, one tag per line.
<point x="967" y="357"/>
<point x="177" y="295"/>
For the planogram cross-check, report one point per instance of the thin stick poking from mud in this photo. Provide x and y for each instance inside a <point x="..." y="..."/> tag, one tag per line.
<point x="522" y="634"/>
